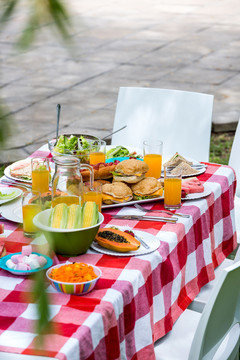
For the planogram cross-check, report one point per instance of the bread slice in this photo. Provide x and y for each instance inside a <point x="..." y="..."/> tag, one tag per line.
<point x="176" y="159"/>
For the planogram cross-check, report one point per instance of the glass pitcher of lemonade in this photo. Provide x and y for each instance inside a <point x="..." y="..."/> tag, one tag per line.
<point x="67" y="184"/>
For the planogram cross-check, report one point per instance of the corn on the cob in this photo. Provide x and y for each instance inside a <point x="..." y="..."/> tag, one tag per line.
<point x="71" y="216"/>
<point x="89" y="214"/>
<point x="58" y="217"/>
<point x="78" y="218"/>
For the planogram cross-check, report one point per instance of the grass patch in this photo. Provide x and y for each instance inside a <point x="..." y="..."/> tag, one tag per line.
<point x="220" y="147"/>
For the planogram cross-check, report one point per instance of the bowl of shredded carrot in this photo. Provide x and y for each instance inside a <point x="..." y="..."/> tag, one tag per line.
<point x="74" y="278"/>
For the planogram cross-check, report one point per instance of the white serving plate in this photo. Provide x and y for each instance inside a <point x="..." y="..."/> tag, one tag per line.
<point x="7" y="171"/>
<point x="152" y="241"/>
<point x="12" y="211"/>
<point x="9" y="190"/>
<point x="207" y="191"/>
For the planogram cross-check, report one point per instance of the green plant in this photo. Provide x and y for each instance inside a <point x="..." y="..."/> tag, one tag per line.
<point x="40" y="12"/>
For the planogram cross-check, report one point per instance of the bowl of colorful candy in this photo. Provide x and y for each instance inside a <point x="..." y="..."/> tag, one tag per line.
<point x="74" y="278"/>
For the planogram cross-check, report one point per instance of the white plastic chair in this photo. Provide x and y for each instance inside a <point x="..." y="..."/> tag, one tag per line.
<point x="234" y="157"/>
<point x="203" y="297"/>
<point x="212" y="334"/>
<point x="181" y="119"/>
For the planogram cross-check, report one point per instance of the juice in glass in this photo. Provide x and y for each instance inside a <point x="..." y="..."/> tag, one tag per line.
<point x="67" y="199"/>
<point x="29" y="211"/>
<point x="40" y="180"/>
<point x="154" y="162"/>
<point x="40" y="174"/>
<point x="152" y="152"/>
<point x="97" y="157"/>
<point x="93" y="196"/>
<point x="172" y="193"/>
<point x="98" y="152"/>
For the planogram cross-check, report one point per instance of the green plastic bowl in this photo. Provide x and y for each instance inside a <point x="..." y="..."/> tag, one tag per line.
<point x="67" y="242"/>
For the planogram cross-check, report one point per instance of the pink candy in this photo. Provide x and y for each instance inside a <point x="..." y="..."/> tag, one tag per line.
<point x="26" y="250"/>
<point x="42" y="260"/>
<point x="26" y="260"/>
<point x="21" y="266"/>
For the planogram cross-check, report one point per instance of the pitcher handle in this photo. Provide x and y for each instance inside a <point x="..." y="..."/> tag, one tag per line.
<point x="90" y="168"/>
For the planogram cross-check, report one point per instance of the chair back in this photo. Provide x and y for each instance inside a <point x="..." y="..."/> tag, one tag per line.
<point x="219" y="317"/>
<point x="234" y="157"/>
<point x="181" y="119"/>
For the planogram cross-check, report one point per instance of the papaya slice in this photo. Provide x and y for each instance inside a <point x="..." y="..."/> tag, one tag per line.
<point x="117" y="240"/>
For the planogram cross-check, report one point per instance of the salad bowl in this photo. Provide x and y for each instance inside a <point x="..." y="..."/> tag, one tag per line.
<point x="77" y="145"/>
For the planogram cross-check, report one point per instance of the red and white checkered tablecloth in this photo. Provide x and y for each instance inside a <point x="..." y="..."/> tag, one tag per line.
<point x="137" y="299"/>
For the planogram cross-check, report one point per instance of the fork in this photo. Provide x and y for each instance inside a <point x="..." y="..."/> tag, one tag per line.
<point x="15" y="183"/>
<point x="160" y="211"/>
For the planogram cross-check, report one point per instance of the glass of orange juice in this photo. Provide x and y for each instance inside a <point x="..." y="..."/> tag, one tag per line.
<point x="40" y="174"/>
<point x="93" y="194"/>
<point x="172" y="189"/>
<point x="98" y="152"/>
<point x="31" y="206"/>
<point x="152" y="151"/>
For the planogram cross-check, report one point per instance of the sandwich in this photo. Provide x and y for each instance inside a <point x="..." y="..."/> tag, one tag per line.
<point x="21" y="170"/>
<point x="130" y="171"/>
<point x="115" y="193"/>
<point x="176" y="159"/>
<point x="184" y="169"/>
<point x="101" y="171"/>
<point x="148" y="188"/>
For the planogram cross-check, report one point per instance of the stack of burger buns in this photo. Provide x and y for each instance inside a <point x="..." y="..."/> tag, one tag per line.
<point x="130" y="182"/>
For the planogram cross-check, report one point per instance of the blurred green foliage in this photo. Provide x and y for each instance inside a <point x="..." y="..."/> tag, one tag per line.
<point x="39" y="13"/>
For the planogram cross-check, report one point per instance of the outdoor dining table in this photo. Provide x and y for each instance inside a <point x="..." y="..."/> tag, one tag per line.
<point x="138" y="298"/>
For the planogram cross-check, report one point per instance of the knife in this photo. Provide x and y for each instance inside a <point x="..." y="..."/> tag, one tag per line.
<point x="144" y="217"/>
<point x="141" y="241"/>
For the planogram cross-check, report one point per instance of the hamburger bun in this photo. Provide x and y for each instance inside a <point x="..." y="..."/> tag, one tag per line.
<point x="130" y="171"/>
<point x="147" y="188"/>
<point x="117" y="192"/>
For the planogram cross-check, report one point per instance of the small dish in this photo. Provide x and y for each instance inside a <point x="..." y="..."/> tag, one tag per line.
<point x="120" y="158"/>
<point x="4" y="259"/>
<point x="81" y="288"/>
<point x="9" y="190"/>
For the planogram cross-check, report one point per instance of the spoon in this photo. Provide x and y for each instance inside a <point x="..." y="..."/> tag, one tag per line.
<point x="58" y="117"/>
<point x="105" y="137"/>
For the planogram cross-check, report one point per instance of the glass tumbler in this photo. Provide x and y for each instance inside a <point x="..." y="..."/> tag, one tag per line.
<point x="31" y="206"/>
<point x="40" y="174"/>
<point x="172" y="189"/>
<point x="152" y="151"/>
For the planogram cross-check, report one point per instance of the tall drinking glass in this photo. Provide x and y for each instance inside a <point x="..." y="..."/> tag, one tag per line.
<point x="172" y="189"/>
<point x="31" y="206"/>
<point x="93" y="194"/>
<point x="152" y="151"/>
<point x="98" y="152"/>
<point x="40" y="174"/>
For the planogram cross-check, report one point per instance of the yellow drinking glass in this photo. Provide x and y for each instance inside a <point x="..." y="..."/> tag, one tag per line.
<point x="93" y="194"/>
<point x="152" y="151"/>
<point x="40" y="174"/>
<point x="98" y="152"/>
<point x="31" y="206"/>
<point x="172" y="189"/>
